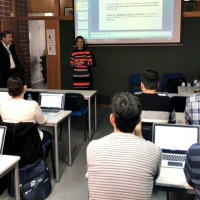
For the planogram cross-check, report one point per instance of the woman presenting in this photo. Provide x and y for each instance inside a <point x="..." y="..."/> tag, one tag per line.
<point x="81" y="61"/>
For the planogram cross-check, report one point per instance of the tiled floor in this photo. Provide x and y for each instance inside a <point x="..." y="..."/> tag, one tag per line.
<point x="73" y="184"/>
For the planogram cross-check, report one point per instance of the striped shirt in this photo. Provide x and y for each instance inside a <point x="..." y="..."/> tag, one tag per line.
<point x="192" y="109"/>
<point x="81" y="73"/>
<point x="157" y="108"/>
<point x="192" y="168"/>
<point x="122" y="166"/>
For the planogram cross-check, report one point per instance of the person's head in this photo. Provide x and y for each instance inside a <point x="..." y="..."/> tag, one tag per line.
<point x="16" y="86"/>
<point x="80" y="42"/>
<point x="126" y="112"/>
<point x="149" y="80"/>
<point x="6" y="37"/>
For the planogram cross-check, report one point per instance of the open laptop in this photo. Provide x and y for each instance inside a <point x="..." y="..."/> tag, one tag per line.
<point x="174" y="141"/>
<point x="51" y="103"/>
<point x="2" y="138"/>
<point x="4" y="95"/>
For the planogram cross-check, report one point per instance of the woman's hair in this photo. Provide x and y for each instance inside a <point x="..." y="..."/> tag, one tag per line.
<point x="15" y="85"/>
<point x="80" y="37"/>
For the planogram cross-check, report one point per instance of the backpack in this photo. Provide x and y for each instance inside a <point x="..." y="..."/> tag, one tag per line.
<point x="34" y="181"/>
<point x="173" y="83"/>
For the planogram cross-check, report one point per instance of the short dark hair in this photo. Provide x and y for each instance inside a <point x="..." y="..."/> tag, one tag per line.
<point x="15" y="85"/>
<point x="150" y="79"/>
<point x="4" y="33"/>
<point x="80" y="37"/>
<point x="126" y="109"/>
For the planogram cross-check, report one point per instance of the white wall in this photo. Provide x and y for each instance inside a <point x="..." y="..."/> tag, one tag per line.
<point x="37" y="46"/>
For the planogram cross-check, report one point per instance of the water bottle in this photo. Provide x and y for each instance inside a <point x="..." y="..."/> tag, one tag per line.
<point x="183" y="87"/>
<point x="195" y="84"/>
<point x="29" y="98"/>
<point x="189" y="87"/>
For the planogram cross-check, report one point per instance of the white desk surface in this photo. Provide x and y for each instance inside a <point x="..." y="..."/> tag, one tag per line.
<point x="85" y="93"/>
<point x="7" y="162"/>
<point x="57" y="118"/>
<point x="173" y="177"/>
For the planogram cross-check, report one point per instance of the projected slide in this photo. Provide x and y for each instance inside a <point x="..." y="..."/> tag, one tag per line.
<point x="128" y="21"/>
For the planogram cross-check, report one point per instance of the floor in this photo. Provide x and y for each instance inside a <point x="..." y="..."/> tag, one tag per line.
<point x="73" y="184"/>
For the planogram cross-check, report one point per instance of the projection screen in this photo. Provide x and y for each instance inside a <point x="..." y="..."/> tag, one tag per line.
<point x="128" y="22"/>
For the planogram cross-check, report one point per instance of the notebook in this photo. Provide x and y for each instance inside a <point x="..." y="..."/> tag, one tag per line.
<point x="51" y="103"/>
<point x="174" y="141"/>
<point x="2" y="138"/>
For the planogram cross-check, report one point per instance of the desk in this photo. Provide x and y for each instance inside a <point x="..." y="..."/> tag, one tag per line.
<point x="173" y="179"/>
<point x="7" y="163"/>
<point x="180" y="119"/>
<point x="55" y="122"/>
<point x="88" y="94"/>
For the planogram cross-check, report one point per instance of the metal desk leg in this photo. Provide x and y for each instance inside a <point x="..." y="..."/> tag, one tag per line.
<point x="95" y="111"/>
<point x="69" y="137"/>
<point x="89" y="117"/>
<point x="17" y="194"/>
<point x="56" y="152"/>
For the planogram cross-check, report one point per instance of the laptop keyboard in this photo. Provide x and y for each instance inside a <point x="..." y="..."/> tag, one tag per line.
<point x="49" y="111"/>
<point x="173" y="157"/>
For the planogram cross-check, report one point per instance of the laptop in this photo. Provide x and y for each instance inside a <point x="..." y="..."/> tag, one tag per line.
<point x="174" y="141"/>
<point x="4" y="95"/>
<point x="2" y="138"/>
<point x="51" y="103"/>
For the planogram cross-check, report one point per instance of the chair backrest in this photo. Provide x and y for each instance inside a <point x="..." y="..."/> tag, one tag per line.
<point x="173" y="83"/>
<point x="167" y="76"/>
<point x="147" y="130"/>
<point x="74" y="101"/>
<point x="23" y="139"/>
<point x="134" y="80"/>
<point x="179" y="103"/>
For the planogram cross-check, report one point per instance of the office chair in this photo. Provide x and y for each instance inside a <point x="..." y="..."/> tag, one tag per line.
<point x="48" y="146"/>
<point x="147" y="130"/>
<point x="76" y="103"/>
<point x="134" y="82"/>
<point x="171" y="81"/>
<point x="179" y="103"/>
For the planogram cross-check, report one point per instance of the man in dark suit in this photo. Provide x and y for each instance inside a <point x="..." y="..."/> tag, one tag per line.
<point x="9" y="62"/>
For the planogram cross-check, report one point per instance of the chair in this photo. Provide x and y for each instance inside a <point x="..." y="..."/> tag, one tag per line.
<point x="170" y="81"/>
<point x="23" y="139"/>
<point x="134" y="81"/>
<point x="179" y="103"/>
<point x="147" y="130"/>
<point x="76" y="103"/>
<point x="48" y="146"/>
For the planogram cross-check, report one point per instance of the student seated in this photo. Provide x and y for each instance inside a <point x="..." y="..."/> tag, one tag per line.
<point x="122" y="165"/>
<point x="192" y="109"/>
<point x="17" y="109"/>
<point x="192" y="168"/>
<point x="155" y="108"/>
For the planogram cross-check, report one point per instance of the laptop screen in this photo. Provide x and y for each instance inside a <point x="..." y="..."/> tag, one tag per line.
<point x="51" y="100"/>
<point x="175" y="138"/>
<point x="4" y="95"/>
<point x="2" y="137"/>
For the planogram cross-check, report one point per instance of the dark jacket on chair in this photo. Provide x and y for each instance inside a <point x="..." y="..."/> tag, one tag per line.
<point x="23" y="139"/>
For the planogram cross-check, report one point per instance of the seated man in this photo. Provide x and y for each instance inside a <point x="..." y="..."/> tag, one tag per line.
<point x="122" y="165"/>
<point x="191" y="168"/>
<point x="192" y="109"/>
<point x="155" y="108"/>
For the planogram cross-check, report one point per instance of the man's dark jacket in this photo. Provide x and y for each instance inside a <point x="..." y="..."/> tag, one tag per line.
<point x="5" y="62"/>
